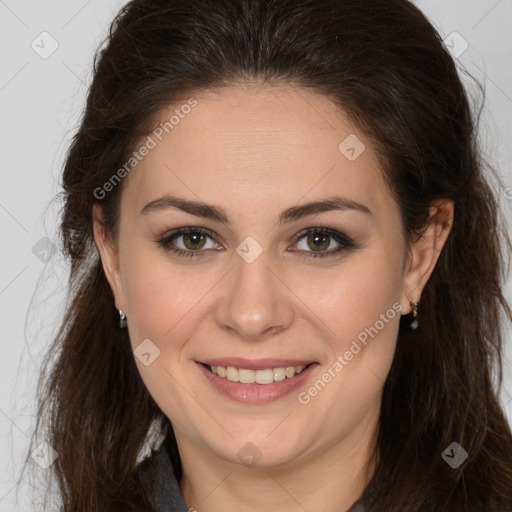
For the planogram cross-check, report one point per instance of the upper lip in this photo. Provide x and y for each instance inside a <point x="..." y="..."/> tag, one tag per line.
<point x="256" y="364"/>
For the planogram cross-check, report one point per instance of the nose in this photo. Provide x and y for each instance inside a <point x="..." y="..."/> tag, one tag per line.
<point x="255" y="303"/>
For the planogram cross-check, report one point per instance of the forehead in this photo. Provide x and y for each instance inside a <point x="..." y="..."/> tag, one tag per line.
<point x="251" y="144"/>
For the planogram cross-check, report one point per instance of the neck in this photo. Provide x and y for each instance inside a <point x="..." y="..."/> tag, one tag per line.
<point x="330" y="481"/>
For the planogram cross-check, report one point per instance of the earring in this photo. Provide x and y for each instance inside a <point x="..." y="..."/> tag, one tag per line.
<point x="414" y="324"/>
<point x="122" y="320"/>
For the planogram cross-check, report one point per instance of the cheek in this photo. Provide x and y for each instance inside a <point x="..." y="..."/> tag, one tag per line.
<point x="351" y="299"/>
<point x="162" y="299"/>
<point x="164" y="306"/>
<point x="362" y="309"/>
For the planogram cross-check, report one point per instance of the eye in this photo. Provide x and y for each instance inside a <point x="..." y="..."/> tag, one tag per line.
<point x="321" y="242"/>
<point x="189" y="241"/>
<point x="197" y="242"/>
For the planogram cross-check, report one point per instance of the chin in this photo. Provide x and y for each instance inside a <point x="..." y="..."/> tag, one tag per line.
<point x="277" y="451"/>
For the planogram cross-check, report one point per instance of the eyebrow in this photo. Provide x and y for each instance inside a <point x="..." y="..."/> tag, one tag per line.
<point x="212" y="212"/>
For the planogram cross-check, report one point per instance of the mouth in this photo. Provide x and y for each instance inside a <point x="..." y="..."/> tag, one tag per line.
<point x="256" y="382"/>
<point x="263" y="376"/>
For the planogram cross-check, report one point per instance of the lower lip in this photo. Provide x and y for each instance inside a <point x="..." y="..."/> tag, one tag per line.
<point x="256" y="393"/>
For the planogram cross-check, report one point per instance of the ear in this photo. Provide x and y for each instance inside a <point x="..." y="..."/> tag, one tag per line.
<point x="424" y="252"/>
<point x="108" y="255"/>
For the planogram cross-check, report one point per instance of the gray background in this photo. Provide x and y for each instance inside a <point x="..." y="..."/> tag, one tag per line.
<point x="41" y="98"/>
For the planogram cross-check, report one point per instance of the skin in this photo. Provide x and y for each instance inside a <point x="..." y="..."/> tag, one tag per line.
<point x="256" y="151"/>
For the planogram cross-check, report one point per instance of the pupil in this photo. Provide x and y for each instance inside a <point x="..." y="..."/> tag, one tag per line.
<point x="193" y="239"/>
<point x="319" y="241"/>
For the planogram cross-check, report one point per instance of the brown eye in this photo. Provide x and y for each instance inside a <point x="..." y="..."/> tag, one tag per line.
<point x="322" y="242"/>
<point x="318" y="241"/>
<point x="194" y="240"/>
<point x="189" y="242"/>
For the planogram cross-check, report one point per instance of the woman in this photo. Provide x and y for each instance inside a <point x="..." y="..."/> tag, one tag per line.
<point x="285" y="264"/>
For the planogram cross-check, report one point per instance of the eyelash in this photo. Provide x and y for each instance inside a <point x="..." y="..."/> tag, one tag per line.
<point x="346" y="243"/>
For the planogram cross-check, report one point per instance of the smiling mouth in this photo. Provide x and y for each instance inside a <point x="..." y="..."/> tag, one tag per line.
<point x="263" y="376"/>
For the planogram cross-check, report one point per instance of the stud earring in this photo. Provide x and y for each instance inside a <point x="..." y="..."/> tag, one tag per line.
<point x="414" y="324"/>
<point x="122" y="320"/>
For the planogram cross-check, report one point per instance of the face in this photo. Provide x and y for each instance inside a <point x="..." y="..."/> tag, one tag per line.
<point x="298" y="264"/>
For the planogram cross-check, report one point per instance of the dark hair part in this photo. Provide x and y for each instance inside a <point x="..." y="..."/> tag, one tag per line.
<point x="385" y="65"/>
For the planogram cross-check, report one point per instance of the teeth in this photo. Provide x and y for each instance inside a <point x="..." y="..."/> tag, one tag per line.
<point x="266" y="376"/>
<point x="232" y="374"/>
<point x="279" y="374"/>
<point x="247" y="376"/>
<point x="290" y="371"/>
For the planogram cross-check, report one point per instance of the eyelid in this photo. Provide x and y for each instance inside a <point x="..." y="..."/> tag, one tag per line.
<point x="344" y="241"/>
<point x="334" y="233"/>
<point x="165" y="239"/>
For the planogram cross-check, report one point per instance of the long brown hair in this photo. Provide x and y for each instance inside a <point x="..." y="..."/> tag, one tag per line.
<point x="386" y="66"/>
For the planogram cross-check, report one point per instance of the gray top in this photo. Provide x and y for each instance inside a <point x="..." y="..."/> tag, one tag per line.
<point x="157" y="472"/>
